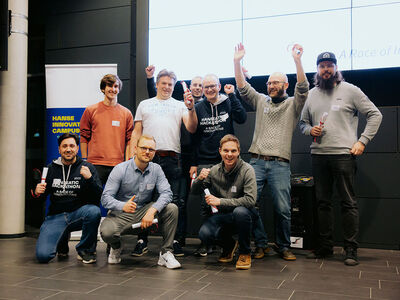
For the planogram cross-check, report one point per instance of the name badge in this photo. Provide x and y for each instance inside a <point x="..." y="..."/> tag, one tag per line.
<point x="266" y="110"/>
<point x="233" y="189"/>
<point x="335" y="107"/>
<point x="115" y="123"/>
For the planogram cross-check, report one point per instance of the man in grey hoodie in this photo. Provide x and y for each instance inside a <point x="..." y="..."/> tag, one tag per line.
<point x="334" y="149"/>
<point x="232" y="191"/>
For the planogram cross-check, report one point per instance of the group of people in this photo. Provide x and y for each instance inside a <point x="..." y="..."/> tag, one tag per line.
<point x="147" y="164"/>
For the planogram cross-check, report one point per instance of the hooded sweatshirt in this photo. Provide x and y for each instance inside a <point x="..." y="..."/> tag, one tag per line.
<point x="68" y="189"/>
<point x="214" y="122"/>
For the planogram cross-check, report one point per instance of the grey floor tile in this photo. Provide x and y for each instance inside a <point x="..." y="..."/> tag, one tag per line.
<point x="62" y="285"/>
<point x="250" y="281"/>
<point x="242" y="290"/>
<point x="16" y="292"/>
<point x="83" y="296"/>
<point x="302" y="295"/>
<point x="80" y="275"/>
<point x="386" y="294"/>
<point x="321" y="279"/>
<point x="329" y="287"/>
<point x="130" y="292"/>
<point x="202" y="296"/>
<point x="386" y="284"/>
<point x="380" y="276"/>
<point x="13" y="278"/>
<point x="150" y="282"/>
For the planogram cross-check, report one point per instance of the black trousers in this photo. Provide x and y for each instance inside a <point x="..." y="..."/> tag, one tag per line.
<point x="336" y="171"/>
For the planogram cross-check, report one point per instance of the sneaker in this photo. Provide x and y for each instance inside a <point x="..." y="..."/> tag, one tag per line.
<point x="260" y="252"/>
<point x="243" y="262"/>
<point x="287" y="255"/>
<point x="140" y="248"/>
<point x="351" y="257"/>
<point x="115" y="256"/>
<point x="228" y="253"/>
<point x="168" y="259"/>
<point x="86" y="257"/>
<point x="177" y="249"/>
<point x="201" y="251"/>
<point x="320" y="253"/>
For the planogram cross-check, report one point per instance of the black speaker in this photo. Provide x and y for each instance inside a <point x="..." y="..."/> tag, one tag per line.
<point x="4" y="33"/>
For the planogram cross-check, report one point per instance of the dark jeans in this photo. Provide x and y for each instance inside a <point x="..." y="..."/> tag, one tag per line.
<point x="104" y="172"/>
<point x="219" y="228"/>
<point x="336" y="171"/>
<point x="172" y="168"/>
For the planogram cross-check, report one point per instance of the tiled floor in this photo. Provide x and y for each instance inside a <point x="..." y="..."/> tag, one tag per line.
<point x="21" y="277"/>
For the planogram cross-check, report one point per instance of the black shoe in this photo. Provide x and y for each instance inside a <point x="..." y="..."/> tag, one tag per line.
<point x="201" y="251"/>
<point x="140" y="248"/>
<point x="177" y="249"/>
<point x="320" y="253"/>
<point x="351" y="257"/>
<point x="182" y="242"/>
<point x="86" y="257"/>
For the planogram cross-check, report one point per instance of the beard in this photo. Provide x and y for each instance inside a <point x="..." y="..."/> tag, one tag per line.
<point x="279" y="93"/>
<point x="330" y="83"/>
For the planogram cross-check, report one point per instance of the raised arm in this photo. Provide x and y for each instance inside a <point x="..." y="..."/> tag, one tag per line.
<point x="136" y="133"/>
<point x="151" y="86"/>
<point x="297" y="52"/>
<point x="237" y="57"/>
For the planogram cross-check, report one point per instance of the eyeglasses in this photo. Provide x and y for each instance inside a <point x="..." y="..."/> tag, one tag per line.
<point x="210" y="87"/>
<point x="275" y="83"/>
<point x="145" y="149"/>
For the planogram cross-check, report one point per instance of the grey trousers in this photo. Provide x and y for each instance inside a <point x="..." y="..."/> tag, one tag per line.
<point x="119" y="222"/>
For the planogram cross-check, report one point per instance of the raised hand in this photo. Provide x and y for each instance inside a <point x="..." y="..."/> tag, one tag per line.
<point x="229" y="89"/>
<point x="150" y="71"/>
<point x="239" y="52"/>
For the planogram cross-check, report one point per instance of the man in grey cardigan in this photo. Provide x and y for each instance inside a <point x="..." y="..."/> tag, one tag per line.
<point x="334" y="149"/>
<point x="231" y="191"/>
<point x="276" y="118"/>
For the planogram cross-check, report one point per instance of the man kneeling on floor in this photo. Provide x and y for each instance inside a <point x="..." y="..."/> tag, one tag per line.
<point x="128" y="195"/>
<point x="233" y="192"/>
<point x="75" y="190"/>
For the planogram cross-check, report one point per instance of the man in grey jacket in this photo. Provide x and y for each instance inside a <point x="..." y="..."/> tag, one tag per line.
<point x="276" y="118"/>
<point x="232" y="194"/>
<point x="128" y="195"/>
<point x="330" y="116"/>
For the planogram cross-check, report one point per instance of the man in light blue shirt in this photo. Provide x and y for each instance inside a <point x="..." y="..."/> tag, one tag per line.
<point x="128" y="195"/>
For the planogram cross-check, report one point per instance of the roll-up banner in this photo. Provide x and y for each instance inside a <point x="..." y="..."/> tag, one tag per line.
<point x="69" y="89"/>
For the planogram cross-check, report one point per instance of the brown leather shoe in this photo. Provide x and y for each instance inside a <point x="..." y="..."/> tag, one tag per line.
<point x="260" y="252"/>
<point x="287" y="255"/>
<point x="228" y="253"/>
<point x="243" y="262"/>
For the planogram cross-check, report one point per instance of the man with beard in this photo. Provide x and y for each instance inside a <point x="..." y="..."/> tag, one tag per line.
<point x="276" y="118"/>
<point x="128" y="195"/>
<point x="334" y="149"/>
<point x="75" y="190"/>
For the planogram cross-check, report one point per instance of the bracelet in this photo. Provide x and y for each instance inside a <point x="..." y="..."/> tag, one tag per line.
<point x="190" y="108"/>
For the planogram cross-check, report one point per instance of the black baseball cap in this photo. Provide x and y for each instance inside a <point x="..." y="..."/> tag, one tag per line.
<point x="326" y="56"/>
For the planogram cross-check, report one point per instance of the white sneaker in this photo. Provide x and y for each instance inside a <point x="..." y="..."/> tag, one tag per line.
<point x="115" y="256"/>
<point x="168" y="259"/>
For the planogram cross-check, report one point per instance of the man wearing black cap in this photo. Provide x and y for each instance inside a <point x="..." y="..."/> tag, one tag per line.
<point x="330" y="116"/>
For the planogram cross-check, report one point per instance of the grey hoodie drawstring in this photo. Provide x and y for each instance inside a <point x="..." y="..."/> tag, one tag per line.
<point x="65" y="179"/>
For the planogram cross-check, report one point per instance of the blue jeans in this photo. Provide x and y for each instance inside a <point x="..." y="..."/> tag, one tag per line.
<point x="172" y="168"/>
<point x="56" y="229"/>
<point x="277" y="175"/>
<point x="219" y="228"/>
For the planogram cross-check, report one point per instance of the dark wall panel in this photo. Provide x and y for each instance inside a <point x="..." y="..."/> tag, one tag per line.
<point x="378" y="224"/>
<point x="57" y="7"/>
<point x="386" y="138"/>
<point x="90" y="28"/>
<point x="245" y="132"/>
<point x="378" y="175"/>
<point x="108" y="54"/>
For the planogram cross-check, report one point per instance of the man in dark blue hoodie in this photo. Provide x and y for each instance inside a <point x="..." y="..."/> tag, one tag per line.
<point x="75" y="191"/>
<point x="215" y="115"/>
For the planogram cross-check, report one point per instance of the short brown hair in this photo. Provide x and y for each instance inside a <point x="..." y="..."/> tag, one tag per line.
<point x="165" y="72"/>
<point x="145" y="137"/>
<point x="109" y="80"/>
<point x="229" y="138"/>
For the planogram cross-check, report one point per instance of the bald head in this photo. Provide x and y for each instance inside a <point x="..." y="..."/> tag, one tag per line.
<point x="277" y="84"/>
